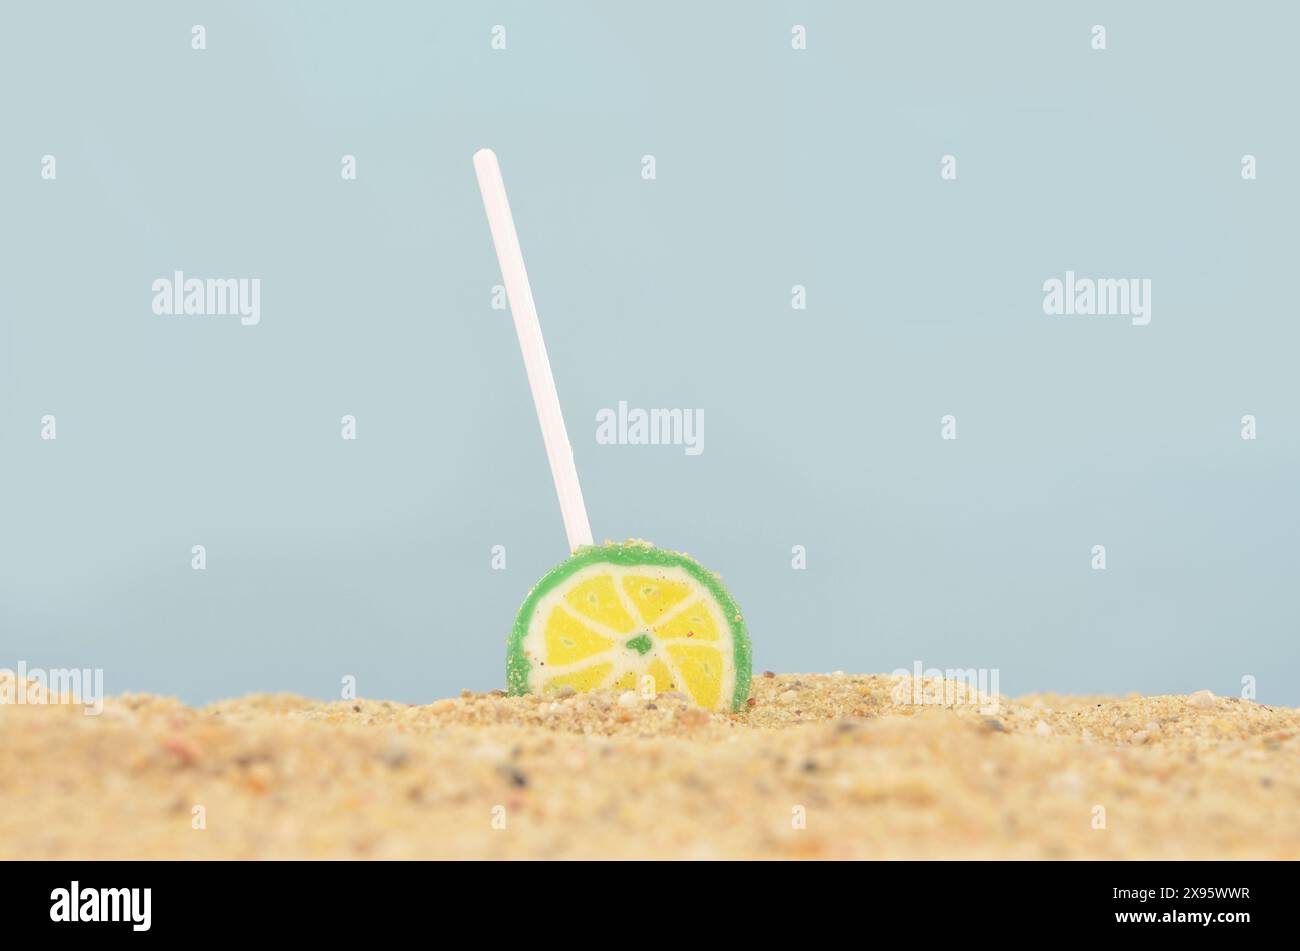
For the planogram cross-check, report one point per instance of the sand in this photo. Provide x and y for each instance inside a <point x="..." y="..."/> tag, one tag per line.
<point x="818" y="766"/>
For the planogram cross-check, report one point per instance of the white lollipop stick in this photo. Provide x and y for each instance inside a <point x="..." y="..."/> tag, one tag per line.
<point x="538" y="365"/>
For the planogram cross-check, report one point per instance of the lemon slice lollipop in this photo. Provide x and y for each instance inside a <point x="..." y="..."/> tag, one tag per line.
<point x="614" y="615"/>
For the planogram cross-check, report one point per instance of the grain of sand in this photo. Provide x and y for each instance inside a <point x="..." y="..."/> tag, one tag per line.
<point x="864" y="772"/>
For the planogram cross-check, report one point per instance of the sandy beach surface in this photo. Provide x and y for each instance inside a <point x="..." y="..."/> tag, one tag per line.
<point x="818" y="766"/>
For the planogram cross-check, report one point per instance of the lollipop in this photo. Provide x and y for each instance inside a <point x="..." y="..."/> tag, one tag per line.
<point x="618" y="616"/>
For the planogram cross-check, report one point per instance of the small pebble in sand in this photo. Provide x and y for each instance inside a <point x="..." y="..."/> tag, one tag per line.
<point x="1043" y="728"/>
<point x="395" y="757"/>
<point x="515" y="777"/>
<point x="181" y="748"/>
<point x="1202" y="700"/>
<point x="443" y="706"/>
<point x="789" y="696"/>
<point x="627" y="699"/>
